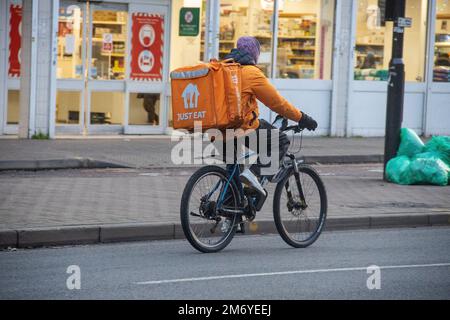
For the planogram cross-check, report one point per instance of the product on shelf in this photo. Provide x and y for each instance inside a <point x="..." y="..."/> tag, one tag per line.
<point x="441" y="74"/>
<point x="371" y="74"/>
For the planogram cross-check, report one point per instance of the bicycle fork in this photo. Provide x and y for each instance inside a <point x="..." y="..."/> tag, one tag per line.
<point x="291" y="202"/>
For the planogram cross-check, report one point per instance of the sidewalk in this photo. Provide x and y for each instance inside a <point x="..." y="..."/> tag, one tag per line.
<point x="148" y="152"/>
<point x="90" y="206"/>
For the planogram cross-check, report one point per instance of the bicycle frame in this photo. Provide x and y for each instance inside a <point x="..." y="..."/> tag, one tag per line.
<point x="234" y="171"/>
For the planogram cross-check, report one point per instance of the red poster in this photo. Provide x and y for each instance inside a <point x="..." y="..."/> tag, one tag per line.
<point x="147" y="43"/>
<point x="15" y="20"/>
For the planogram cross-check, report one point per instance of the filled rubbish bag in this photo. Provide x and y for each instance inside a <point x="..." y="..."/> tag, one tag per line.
<point x="410" y="143"/>
<point x="397" y="170"/>
<point x="426" y="168"/>
<point x="417" y="163"/>
<point x="441" y="146"/>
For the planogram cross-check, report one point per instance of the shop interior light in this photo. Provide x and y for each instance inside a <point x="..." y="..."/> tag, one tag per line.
<point x="192" y="3"/>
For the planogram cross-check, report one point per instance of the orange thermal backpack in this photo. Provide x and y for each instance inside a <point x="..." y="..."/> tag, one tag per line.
<point x="208" y="92"/>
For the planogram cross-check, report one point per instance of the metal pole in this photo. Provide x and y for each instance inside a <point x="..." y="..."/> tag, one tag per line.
<point x="396" y="88"/>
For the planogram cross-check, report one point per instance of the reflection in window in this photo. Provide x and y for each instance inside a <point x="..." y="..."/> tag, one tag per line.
<point x="244" y="18"/>
<point x="109" y="36"/>
<point x="68" y="107"/>
<point x="305" y="39"/>
<point x="107" y="108"/>
<point x="70" y="23"/>
<point x="12" y="115"/>
<point x="441" y="70"/>
<point x="186" y="50"/>
<point x="144" y="109"/>
<point x="374" y="42"/>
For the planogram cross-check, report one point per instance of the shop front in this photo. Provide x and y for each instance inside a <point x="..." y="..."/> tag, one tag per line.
<point x="427" y="68"/>
<point x="111" y="69"/>
<point x="328" y="57"/>
<point x="296" y="40"/>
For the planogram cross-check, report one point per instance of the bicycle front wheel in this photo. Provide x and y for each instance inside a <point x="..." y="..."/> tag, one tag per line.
<point x="300" y="219"/>
<point x="206" y="229"/>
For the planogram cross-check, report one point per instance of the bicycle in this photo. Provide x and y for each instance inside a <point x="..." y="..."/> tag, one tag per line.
<point x="219" y="198"/>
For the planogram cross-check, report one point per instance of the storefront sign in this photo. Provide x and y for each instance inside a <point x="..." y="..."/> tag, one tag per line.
<point x="15" y="20"/>
<point x="107" y="43"/>
<point x="189" y="22"/>
<point x="147" y="47"/>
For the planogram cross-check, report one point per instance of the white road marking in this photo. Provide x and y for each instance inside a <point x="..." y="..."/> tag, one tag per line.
<point x="248" y="275"/>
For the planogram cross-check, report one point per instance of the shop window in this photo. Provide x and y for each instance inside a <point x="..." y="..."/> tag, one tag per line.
<point x="305" y="39"/>
<point x="68" y="107"/>
<point x="144" y="109"/>
<point x="374" y="41"/>
<point x="441" y="70"/>
<point x="12" y="115"/>
<point x="247" y="18"/>
<point x="107" y="108"/>
<point x="187" y="48"/>
<point x="70" y="42"/>
<point x="109" y="36"/>
<point x="202" y="30"/>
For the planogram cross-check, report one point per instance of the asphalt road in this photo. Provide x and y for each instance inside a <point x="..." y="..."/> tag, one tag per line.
<point x="414" y="264"/>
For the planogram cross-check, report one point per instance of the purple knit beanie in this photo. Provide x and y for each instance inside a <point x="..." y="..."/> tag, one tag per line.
<point x="250" y="45"/>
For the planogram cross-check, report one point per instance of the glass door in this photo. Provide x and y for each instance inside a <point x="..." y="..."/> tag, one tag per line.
<point x="108" y="41"/>
<point x="148" y="68"/>
<point x="70" y="69"/>
<point x="111" y="68"/>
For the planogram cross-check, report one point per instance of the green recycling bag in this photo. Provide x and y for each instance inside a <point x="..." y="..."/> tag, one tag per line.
<point x="417" y="163"/>
<point x="441" y="146"/>
<point x="398" y="171"/>
<point x="410" y="143"/>
<point x="427" y="168"/>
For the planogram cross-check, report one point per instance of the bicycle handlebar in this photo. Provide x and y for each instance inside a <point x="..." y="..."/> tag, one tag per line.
<point x="296" y="128"/>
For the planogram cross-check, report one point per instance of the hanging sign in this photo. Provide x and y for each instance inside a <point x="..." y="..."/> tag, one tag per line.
<point x="189" y="22"/>
<point x="15" y="21"/>
<point x="107" y="43"/>
<point x="147" y="47"/>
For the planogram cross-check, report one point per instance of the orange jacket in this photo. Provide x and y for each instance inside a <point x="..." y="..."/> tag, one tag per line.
<point x="255" y="85"/>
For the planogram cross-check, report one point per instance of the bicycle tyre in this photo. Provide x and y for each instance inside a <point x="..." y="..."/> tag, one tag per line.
<point x="184" y="209"/>
<point x="323" y="208"/>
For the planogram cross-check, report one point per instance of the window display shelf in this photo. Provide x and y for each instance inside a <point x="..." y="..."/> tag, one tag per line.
<point x="285" y="37"/>
<point x="114" y="54"/>
<point x="110" y="22"/>
<point x="365" y="54"/>
<point x="304" y="48"/>
<point x="296" y="15"/>
<point x="442" y="44"/>
<point x="114" y="40"/>
<point x="370" y="44"/>
<point x="293" y="57"/>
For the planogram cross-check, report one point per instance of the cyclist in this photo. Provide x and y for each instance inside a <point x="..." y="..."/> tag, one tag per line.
<point x="255" y="86"/>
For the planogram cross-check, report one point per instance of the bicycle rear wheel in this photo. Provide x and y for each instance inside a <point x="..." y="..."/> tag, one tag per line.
<point x="298" y="223"/>
<point x="204" y="227"/>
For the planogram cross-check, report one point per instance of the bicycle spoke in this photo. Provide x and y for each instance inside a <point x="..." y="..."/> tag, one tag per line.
<point x="301" y="224"/>
<point x="204" y="226"/>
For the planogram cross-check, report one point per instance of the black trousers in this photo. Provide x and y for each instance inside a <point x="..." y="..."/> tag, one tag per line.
<point x="262" y="138"/>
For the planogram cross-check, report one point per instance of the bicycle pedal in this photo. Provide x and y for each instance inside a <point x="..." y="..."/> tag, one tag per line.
<point x="241" y="228"/>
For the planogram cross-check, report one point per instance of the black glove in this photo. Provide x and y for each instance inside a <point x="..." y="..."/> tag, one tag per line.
<point x="306" y="122"/>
